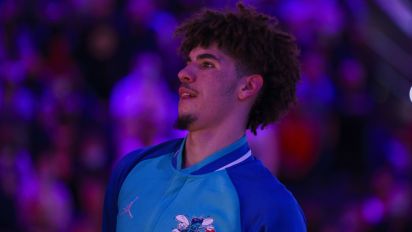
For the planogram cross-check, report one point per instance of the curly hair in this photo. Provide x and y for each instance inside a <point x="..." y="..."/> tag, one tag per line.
<point x="258" y="46"/>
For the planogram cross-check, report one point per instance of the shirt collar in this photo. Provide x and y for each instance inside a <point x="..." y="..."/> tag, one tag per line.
<point x="226" y="157"/>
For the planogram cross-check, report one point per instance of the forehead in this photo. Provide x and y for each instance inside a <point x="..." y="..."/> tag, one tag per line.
<point x="212" y="50"/>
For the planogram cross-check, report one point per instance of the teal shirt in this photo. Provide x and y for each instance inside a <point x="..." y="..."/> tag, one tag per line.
<point x="228" y="191"/>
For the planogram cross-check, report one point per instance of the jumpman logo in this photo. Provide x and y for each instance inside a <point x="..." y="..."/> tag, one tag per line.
<point x="128" y="208"/>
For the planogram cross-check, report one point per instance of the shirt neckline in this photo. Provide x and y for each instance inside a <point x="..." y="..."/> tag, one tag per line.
<point x="226" y="157"/>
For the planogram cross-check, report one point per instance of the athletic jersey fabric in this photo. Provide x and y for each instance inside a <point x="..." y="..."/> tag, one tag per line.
<point x="228" y="191"/>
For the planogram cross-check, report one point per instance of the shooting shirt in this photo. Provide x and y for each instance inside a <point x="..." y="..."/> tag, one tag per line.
<point x="228" y="191"/>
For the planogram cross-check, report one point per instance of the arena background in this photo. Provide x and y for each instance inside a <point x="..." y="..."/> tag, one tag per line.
<point x="83" y="82"/>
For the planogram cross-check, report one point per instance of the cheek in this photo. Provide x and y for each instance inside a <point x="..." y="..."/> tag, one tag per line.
<point x="220" y="84"/>
<point x="227" y="89"/>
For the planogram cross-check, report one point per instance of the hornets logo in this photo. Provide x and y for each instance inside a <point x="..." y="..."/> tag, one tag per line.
<point x="196" y="224"/>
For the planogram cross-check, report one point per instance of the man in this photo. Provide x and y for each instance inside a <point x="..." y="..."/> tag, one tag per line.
<point x="241" y="73"/>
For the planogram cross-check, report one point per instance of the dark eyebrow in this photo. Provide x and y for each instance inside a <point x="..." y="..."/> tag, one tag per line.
<point x="207" y="56"/>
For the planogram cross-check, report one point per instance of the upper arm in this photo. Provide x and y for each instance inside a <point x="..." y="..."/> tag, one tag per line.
<point x="265" y="204"/>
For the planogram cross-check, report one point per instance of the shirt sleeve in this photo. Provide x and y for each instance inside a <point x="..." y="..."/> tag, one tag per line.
<point x="119" y="173"/>
<point x="265" y="203"/>
<point x="286" y="216"/>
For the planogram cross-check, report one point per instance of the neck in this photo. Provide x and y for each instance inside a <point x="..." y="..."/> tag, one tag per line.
<point x="202" y="143"/>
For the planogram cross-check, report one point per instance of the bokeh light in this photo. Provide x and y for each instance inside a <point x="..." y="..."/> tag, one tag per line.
<point x="84" y="82"/>
<point x="410" y="94"/>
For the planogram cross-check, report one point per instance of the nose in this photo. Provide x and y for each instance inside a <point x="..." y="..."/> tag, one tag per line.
<point x="185" y="75"/>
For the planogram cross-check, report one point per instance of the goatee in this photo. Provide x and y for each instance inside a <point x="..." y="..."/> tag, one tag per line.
<point x="183" y="122"/>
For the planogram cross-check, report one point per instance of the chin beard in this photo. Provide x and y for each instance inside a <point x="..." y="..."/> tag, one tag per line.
<point x="183" y="122"/>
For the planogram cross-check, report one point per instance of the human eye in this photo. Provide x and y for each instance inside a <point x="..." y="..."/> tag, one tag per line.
<point x="206" y="65"/>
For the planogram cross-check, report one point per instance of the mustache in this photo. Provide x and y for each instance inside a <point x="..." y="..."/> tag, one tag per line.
<point x="187" y="86"/>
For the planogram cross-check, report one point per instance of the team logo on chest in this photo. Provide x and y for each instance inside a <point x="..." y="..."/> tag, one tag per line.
<point x="196" y="224"/>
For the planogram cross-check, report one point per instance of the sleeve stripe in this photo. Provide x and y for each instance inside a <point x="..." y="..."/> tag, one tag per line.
<point x="242" y="158"/>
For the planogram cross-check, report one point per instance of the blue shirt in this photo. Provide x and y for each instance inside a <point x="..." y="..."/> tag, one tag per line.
<point x="230" y="190"/>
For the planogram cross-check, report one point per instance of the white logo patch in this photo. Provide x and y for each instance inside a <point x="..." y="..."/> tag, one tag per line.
<point x="196" y="224"/>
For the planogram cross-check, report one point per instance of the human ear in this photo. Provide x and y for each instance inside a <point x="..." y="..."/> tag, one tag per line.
<point x="250" y="86"/>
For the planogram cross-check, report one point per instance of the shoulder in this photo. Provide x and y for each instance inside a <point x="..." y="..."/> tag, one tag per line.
<point x="134" y="157"/>
<point x="265" y="203"/>
<point x="124" y="165"/>
<point x="120" y="172"/>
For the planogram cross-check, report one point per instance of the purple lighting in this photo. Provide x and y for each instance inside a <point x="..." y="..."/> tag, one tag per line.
<point x="84" y="82"/>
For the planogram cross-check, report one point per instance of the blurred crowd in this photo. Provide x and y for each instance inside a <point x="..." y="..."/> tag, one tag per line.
<point x="84" y="82"/>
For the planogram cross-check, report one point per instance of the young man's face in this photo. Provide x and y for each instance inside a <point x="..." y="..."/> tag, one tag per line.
<point x="207" y="94"/>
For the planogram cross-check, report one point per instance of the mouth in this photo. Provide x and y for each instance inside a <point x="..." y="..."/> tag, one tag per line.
<point x="186" y="93"/>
